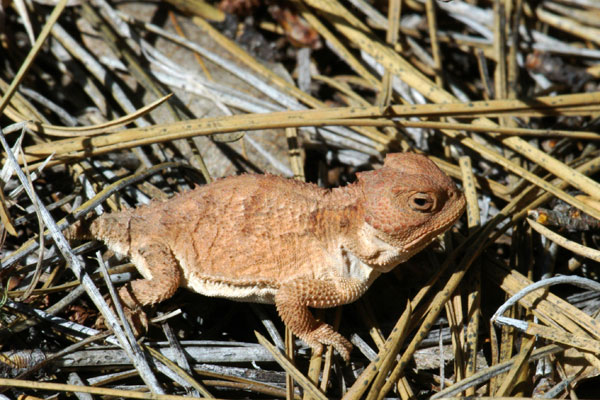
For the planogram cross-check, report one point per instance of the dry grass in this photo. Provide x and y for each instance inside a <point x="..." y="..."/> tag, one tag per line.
<point x="503" y="95"/>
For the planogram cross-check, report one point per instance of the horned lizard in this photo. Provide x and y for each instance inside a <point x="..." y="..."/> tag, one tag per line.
<point x="267" y="239"/>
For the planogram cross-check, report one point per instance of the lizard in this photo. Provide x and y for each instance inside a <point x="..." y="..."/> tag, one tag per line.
<point x="268" y="239"/>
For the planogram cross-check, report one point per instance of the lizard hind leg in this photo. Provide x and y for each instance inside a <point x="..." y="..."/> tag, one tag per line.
<point x="161" y="271"/>
<point x="162" y="278"/>
<point x="293" y="299"/>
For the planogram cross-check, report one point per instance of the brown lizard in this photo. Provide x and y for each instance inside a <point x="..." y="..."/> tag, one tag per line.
<point x="267" y="239"/>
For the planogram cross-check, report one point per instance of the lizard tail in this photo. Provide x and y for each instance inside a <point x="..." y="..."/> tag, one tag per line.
<point x="113" y="229"/>
<point x="80" y="230"/>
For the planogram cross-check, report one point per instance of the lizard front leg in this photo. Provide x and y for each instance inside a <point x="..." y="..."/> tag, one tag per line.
<point x="293" y="299"/>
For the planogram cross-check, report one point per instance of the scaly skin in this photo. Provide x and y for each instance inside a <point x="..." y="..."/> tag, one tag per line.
<point x="263" y="238"/>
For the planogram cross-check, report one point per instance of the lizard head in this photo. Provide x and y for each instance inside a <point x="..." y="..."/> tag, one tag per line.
<point x="409" y="201"/>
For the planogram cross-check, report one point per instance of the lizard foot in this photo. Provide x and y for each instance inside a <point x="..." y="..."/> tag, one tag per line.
<point x="325" y="335"/>
<point x="134" y="314"/>
<point x="293" y="299"/>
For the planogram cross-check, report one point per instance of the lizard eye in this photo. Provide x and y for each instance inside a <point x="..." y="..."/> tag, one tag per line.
<point x="422" y="202"/>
